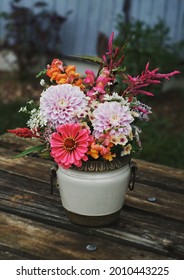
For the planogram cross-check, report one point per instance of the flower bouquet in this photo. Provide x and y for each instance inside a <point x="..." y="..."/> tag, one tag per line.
<point x="92" y="118"/>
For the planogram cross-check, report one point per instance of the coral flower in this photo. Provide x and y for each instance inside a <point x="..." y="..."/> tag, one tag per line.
<point x="56" y="63"/>
<point x="54" y="69"/>
<point x="69" y="145"/>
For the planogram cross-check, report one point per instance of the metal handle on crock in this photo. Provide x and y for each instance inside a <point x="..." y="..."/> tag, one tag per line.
<point x="133" y="168"/>
<point x="53" y="178"/>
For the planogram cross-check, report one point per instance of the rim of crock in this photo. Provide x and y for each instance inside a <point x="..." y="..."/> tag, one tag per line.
<point x="103" y="165"/>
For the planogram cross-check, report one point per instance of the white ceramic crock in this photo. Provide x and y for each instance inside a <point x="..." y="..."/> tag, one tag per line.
<point x="93" y="194"/>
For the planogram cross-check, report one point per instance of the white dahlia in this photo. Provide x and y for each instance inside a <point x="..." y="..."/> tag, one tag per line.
<point x="60" y="104"/>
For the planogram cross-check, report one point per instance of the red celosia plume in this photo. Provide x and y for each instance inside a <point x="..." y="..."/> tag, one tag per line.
<point x="23" y="132"/>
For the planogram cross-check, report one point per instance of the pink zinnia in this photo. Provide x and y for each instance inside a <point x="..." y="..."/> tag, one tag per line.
<point x="69" y="145"/>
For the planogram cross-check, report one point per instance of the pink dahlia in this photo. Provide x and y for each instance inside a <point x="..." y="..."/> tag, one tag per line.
<point x="69" y="145"/>
<point x="112" y="117"/>
<point x="61" y="103"/>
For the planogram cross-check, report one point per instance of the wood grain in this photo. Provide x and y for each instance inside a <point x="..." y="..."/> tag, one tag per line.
<point x="35" y="226"/>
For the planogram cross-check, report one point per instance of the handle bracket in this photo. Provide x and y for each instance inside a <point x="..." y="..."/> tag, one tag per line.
<point x="133" y="168"/>
<point x="53" y="178"/>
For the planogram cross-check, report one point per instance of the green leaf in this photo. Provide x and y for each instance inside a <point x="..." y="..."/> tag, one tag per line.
<point x="94" y="59"/>
<point x="41" y="73"/>
<point x="35" y="149"/>
<point x="121" y="51"/>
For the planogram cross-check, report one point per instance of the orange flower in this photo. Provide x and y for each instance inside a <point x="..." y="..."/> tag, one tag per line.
<point x="54" y="69"/>
<point x="71" y="73"/>
<point x="106" y="153"/>
<point x="109" y="156"/>
<point x="53" y="72"/>
<point x="61" y="79"/>
<point x="64" y="75"/>
<point x="70" y="69"/>
<point x="79" y="83"/>
<point x="94" y="150"/>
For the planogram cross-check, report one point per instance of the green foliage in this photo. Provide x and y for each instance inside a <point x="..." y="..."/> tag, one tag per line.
<point x="35" y="149"/>
<point x="149" y="44"/>
<point x="31" y="33"/>
<point x="161" y="144"/>
<point x="9" y="117"/>
<point x="93" y="59"/>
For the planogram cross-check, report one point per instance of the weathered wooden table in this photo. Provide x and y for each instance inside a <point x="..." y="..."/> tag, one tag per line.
<point x="33" y="224"/>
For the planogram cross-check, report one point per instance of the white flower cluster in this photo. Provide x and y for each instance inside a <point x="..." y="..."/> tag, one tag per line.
<point x="116" y="97"/>
<point x="36" y="120"/>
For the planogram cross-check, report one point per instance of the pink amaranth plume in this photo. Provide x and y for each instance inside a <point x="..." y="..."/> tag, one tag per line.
<point x="146" y="78"/>
<point x="110" y="58"/>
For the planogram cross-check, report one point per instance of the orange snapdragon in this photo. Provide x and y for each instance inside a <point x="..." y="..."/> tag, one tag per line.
<point x="106" y="152"/>
<point x="71" y="73"/>
<point x="97" y="150"/>
<point x="94" y="150"/>
<point x="54" y="69"/>
<point x="64" y="74"/>
<point x="61" y="78"/>
<point x="53" y="72"/>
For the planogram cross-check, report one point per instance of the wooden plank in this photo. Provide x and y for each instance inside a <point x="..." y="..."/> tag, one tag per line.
<point x="168" y="204"/>
<point x="163" y="232"/>
<point x="42" y="241"/>
<point x="7" y="253"/>
<point x="25" y="166"/>
<point x="156" y="172"/>
<point x="30" y="199"/>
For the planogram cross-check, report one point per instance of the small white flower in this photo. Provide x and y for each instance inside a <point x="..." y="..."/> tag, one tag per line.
<point x="134" y="114"/>
<point x="120" y="139"/>
<point x="94" y="104"/>
<point x="127" y="150"/>
<point x="30" y="102"/>
<point x="33" y="111"/>
<point x="23" y="109"/>
<point x="116" y="97"/>
<point x="42" y="82"/>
